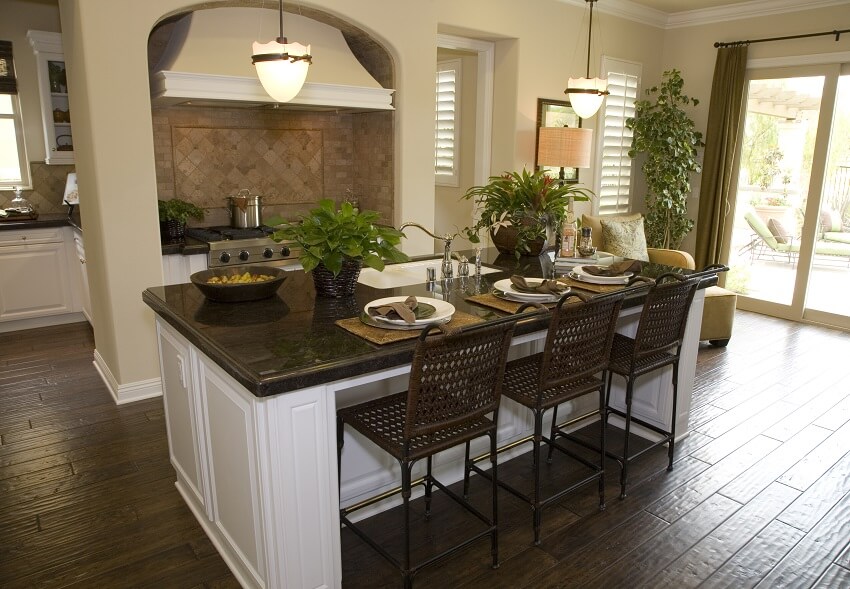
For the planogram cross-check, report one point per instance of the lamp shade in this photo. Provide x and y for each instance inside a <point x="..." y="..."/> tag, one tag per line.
<point x="586" y="95"/>
<point x="281" y="68"/>
<point x="564" y="147"/>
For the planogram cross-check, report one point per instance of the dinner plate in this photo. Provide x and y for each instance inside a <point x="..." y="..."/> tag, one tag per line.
<point x="369" y="320"/>
<point x="507" y="287"/>
<point x="518" y="298"/>
<point x="442" y="310"/>
<point x="578" y="273"/>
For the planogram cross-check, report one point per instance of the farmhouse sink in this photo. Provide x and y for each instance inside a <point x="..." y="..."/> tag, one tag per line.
<point x="408" y="273"/>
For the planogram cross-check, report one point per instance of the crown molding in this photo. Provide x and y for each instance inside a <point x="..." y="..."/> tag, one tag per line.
<point x="691" y="18"/>
<point x="753" y="9"/>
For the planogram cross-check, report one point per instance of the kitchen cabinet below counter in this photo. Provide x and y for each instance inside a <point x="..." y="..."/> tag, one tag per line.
<point x="38" y="287"/>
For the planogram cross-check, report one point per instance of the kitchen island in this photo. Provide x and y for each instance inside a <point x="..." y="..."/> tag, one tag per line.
<point x="251" y="392"/>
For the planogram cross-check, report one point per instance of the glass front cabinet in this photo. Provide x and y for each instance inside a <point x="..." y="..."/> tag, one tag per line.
<point x="53" y="91"/>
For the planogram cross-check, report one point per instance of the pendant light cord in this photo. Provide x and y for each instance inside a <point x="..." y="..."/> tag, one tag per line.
<point x="589" y="37"/>
<point x="281" y="39"/>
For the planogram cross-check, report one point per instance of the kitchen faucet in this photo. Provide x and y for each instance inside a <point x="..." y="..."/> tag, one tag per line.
<point x="446" y="270"/>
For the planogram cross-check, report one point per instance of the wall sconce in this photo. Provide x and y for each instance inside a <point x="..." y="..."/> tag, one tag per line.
<point x="586" y="94"/>
<point x="281" y="66"/>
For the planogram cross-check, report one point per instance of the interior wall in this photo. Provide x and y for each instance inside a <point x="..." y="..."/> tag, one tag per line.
<point x="451" y="211"/>
<point x="691" y="50"/>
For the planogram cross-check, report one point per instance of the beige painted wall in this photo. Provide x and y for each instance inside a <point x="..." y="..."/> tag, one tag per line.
<point x="692" y="51"/>
<point x="16" y="18"/>
<point x="538" y="46"/>
<point x="451" y="212"/>
<point x="114" y="150"/>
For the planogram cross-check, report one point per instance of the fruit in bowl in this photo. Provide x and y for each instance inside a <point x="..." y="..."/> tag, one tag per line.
<point x="239" y="284"/>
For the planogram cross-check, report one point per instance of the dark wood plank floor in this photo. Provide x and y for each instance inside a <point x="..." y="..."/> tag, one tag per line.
<point x="759" y="496"/>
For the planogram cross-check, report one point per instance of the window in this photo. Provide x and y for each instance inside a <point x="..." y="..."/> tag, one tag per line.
<point x="615" y="140"/>
<point x="13" y="160"/>
<point x="447" y="123"/>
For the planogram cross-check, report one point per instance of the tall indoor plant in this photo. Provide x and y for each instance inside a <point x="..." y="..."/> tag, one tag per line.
<point x="665" y="133"/>
<point x="336" y="243"/>
<point x="523" y="204"/>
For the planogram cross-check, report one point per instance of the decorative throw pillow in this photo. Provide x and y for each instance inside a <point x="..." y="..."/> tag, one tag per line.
<point x="625" y="239"/>
<point x="778" y="231"/>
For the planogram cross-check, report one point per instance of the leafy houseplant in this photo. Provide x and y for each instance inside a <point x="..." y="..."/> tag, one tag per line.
<point x="525" y="203"/>
<point x="665" y="133"/>
<point x="173" y="215"/>
<point x="336" y="243"/>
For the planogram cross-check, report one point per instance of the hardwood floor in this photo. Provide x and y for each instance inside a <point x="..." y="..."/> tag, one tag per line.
<point x="759" y="496"/>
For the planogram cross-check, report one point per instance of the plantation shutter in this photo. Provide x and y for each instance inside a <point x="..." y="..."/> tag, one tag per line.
<point x="615" y="139"/>
<point x="446" y="130"/>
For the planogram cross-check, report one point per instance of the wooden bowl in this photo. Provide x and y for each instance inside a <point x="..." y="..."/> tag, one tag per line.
<point x="239" y="293"/>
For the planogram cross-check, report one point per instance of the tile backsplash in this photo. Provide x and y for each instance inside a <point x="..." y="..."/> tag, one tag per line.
<point x="48" y="188"/>
<point x="291" y="158"/>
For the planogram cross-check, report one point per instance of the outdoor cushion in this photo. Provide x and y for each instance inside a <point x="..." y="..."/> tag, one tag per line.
<point x="778" y="231"/>
<point x="837" y="236"/>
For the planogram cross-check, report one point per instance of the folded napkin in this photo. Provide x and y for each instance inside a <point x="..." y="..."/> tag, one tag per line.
<point x="548" y="287"/>
<point x="618" y="269"/>
<point x="398" y="310"/>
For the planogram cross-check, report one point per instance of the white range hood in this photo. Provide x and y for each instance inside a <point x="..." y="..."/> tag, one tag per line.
<point x="207" y="62"/>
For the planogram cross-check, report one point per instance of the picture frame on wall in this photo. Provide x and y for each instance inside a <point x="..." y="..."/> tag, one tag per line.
<point x="555" y="113"/>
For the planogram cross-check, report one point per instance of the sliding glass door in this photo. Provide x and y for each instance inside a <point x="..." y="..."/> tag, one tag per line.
<point x="786" y="252"/>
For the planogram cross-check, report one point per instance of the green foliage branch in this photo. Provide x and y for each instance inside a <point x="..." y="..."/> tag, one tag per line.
<point x="178" y="210"/>
<point x="329" y="236"/>
<point x="529" y="201"/>
<point x="667" y="136"/>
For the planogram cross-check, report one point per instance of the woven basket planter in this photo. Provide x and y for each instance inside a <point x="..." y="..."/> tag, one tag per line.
<point x="171" y="230"/>
<point x="341" y="285"/>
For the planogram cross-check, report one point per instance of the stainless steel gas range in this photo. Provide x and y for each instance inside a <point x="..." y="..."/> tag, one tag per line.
<point x="235" y="247"/>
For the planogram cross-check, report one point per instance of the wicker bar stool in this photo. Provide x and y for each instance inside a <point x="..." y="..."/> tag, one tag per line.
<point x="572" y="364"/>
<point x="657" y="343"/>
<point x="455" y="383"/>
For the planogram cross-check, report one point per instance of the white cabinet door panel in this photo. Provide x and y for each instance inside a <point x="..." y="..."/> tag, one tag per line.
<point x="34" y="281"/>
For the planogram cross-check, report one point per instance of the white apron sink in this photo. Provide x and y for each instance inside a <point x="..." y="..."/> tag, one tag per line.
<point x="407" y="273"/>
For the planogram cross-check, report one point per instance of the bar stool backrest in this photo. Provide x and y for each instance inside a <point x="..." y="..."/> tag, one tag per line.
<point x="578" y="344"/>
<point x="456" y="378"/>
<point x="665" y="314"/>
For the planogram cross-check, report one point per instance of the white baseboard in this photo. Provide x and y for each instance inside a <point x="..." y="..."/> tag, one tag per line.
<point x="126" y="393"/>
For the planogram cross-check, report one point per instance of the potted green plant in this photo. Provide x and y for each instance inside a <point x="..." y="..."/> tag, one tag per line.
<point x="336" y="243"/>
<point x="173" y="215"/>
<point x="518" y="207"/>
<point x="667" y="136"/>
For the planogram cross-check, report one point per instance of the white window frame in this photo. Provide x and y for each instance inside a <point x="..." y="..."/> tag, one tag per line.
<point x="448" y="174"/>
<point x="614" y="140"/>
<point x="23" y="162"/>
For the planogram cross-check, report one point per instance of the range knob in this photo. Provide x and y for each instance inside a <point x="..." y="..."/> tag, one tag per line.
<point x="284" y="251"/>
<point x="268" y="252"/>
<point x="244" y="255"/>
<point x="224" y="257"/>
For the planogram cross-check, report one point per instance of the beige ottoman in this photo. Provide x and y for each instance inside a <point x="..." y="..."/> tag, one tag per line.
<point x="718" y="315"/>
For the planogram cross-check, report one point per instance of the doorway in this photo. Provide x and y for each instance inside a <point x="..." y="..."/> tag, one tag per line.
<point x="789" y="251"/>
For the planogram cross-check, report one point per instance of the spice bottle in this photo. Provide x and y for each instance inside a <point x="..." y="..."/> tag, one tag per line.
<point x="569" y="236"/>
<point x="586" y="242"/>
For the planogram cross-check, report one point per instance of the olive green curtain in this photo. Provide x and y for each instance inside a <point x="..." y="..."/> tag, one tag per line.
<point x="714" y="222"/>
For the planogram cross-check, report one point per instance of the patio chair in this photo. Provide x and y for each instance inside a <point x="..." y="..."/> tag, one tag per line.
<point x="778" y="246"/>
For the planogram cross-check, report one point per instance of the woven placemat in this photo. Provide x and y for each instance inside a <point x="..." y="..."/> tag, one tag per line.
<point x="379" y="336"/>
<point x="494" y="302"/>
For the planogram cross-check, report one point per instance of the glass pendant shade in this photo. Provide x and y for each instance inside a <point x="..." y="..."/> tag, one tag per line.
<point x="586" y="95"/>
<point x="281" y="69"/>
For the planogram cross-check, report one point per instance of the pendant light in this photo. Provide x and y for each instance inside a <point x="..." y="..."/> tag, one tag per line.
<point x="586" y="94"/>
<point x="281" y="66"/>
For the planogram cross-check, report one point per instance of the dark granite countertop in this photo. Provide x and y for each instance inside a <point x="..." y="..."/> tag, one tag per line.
<point x="186" y="247"/>
<point x="290" y="341"/>
<point x="43" y="221"/>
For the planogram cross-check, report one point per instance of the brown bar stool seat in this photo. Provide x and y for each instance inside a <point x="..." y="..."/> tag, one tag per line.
<point x="657" y="344"/>
<point x="572" y="364"/>
<point x="455" y="384"/>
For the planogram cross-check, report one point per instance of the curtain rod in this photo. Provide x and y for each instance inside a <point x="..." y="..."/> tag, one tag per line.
<point x="837" y="35"/>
